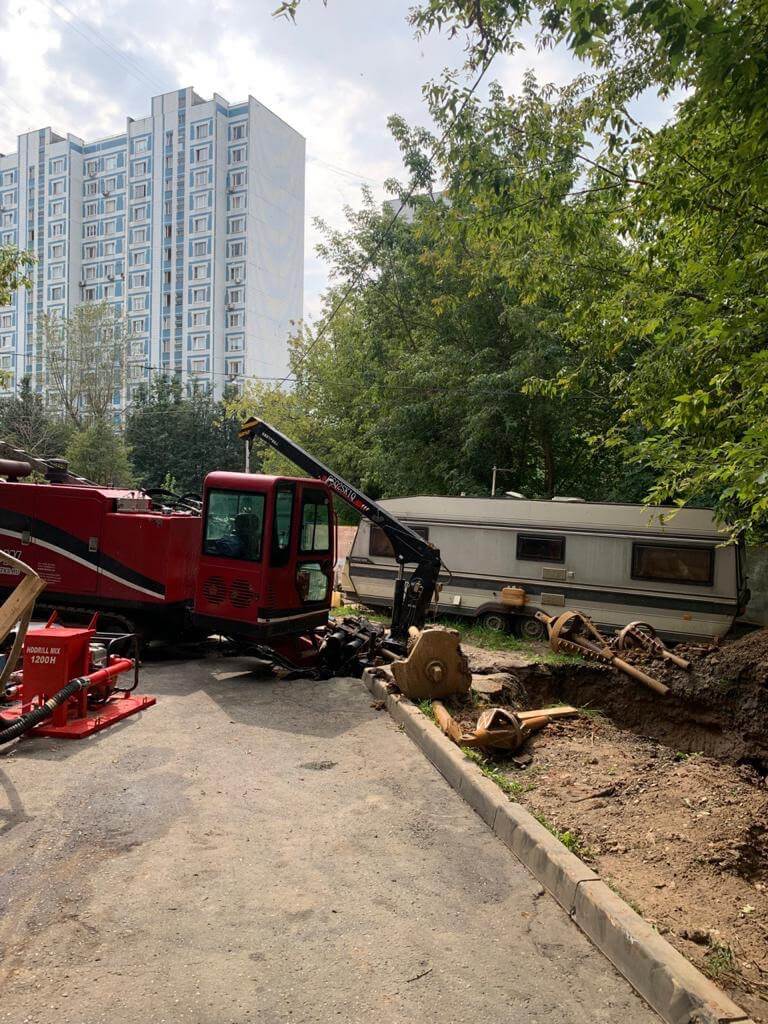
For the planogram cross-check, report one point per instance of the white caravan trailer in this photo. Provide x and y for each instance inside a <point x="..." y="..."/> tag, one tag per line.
<point x="616" y="563"/>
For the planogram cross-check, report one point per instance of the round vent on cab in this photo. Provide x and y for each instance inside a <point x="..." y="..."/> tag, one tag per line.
<point x="241" y="594"/>
<point x="215" y="590"/>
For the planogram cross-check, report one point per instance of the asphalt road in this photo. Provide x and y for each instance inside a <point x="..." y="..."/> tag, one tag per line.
<point x="252" y="850"/>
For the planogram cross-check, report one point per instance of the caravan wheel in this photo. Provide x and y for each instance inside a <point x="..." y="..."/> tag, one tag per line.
<point x="529" y="628"/>
<point x="496" y="621"/>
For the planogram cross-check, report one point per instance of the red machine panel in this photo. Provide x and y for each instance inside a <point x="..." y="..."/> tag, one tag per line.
<point x="266" y="564"/>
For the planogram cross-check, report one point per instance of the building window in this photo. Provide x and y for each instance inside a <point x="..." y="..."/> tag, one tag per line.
<point x="110" y="206"/>
<point x="90" y="209"/>
<point x="6" y="319"/>
<point x="57" y="208"/>
<point x="91" y="188"/>
<point x="202" y="130"/>
<point x="56" y="293"/>
<point x="201" y="201"/>
<point x="139" y="213"/>
<point x="109" y="248"/>
<point x="199" y="295"/>
<point x="235" y="343"/>
<point x="110" y="184"/>
<point x="57" y="166"/>
<point x="141" y="146"/>
<point x="235" y="295"/>
<point x="139" y="168"/>
<point x="200" y="178"/>
<point x="89" y="294"/>
<point x="89" y="273"/>
<point x="138" y="303"/>
<point x="199" y="342"/>
<point x="235" y="272"/>
<point x="200" y="153"/>
<point x="237" y="202"/>
<point x="200" y="318"/>
<point x="140" y="258"/>
<point x="110" y="163"/>
<point x="200" y="248"/>
<point x="57" y="250"/>
<point x="90" y="252"/>
<point x="237" y="131"/>
<point x="138" y="326"/>
<point x="57" y="188"/>
<point x="138" y="235"/>
<point x="673" y="563"/>
<point x="139" y="280"/>
<point x="238" y="156"/>
<point x="110" y="226"/>
<point x="56" y="272"/>
<point x="199" y="223"/>
<point x="235" y="319"/>
<point x="200" y="271"/>
<point x="236" y="249"/>
<point x="169" y="138"/>
<point x="91" y="230"/>
<point x="140" y="190"/>
<point x="236" y="225"/>
<point x="540" y="547"/>
<point x="91" y="167"/>
<point x="236" y="179"/>
<point x="168" y="231"/>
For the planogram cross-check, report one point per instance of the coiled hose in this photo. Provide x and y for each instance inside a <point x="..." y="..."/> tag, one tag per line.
<point x="32" y="718"/>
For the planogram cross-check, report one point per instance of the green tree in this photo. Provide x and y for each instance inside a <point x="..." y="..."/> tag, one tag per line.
<point x="14" y="271"/>
<point x="99" y="453"/>
<point x="26" y="423"/>
<point x="85" y="361"/>
<point x="171" y="436"/>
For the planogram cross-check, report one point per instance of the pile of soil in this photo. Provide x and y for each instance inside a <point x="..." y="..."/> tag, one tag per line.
<point x="666" y="797"/>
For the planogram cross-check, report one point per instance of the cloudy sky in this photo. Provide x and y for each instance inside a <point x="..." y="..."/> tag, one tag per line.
<point x="82" y="66"/>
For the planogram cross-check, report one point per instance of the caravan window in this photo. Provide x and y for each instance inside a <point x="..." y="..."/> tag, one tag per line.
<point x="379" y="545"/>
<point x="540" y="547"/>
<point x="673" y="564"/>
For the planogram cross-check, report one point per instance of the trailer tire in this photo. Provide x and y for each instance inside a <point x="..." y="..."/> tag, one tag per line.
<point x="496" y="621"/>
<point x="529" y="628"/>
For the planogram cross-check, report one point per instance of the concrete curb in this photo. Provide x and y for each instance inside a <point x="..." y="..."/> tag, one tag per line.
<point x="671" y="985"/>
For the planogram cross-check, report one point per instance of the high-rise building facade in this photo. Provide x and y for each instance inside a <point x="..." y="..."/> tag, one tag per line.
<point x="191" y="222"/>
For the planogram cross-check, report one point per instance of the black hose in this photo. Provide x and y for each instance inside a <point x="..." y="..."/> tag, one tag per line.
<point x="32" y="718"/>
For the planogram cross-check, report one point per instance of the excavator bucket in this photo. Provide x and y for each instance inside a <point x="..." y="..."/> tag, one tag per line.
<point x="435" y="666"/>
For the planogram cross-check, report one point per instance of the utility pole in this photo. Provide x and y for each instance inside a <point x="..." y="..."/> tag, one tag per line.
<point x="498" y="469"/>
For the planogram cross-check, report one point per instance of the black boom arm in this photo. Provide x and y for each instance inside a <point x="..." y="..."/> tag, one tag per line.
<point x="412" y="596"/>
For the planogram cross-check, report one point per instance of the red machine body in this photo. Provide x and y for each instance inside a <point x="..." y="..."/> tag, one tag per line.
<point x="99" y="548"/>
<point x="266" y="559"/>
<point x="54" y="656"/>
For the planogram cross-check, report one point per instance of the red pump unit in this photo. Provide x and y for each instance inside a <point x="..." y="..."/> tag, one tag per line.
<point x="79" y="666"/>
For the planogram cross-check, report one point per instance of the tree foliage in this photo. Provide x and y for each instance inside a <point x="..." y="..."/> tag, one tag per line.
<point x="85" y="361"/>
<point x="99" y="453"/>
<point x="640" y="256"/>
<point x="171" y="436"/>
<point x="26" y="423"/>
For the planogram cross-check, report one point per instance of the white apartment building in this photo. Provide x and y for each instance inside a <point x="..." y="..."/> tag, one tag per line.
<point x="191" y="222"/>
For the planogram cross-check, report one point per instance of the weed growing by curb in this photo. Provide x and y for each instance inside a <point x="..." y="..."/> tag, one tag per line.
<point x="493" y="772"/>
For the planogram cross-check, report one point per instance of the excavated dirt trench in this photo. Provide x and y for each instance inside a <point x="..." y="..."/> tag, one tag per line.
<point x="719" y="708"/>
<point x="666" y="797"/>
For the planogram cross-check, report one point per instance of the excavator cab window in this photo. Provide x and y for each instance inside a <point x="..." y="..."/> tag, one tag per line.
<point x="234" y="525"/>
<point x="281" y="526"/>
<point x="315" y="522"/>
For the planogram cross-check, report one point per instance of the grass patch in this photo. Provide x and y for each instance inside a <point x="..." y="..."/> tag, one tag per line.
<point x="570" y="840"/>
<point x="493" y="772"/>
<point x="425" y="707"/>
<point x="720" y="961"/>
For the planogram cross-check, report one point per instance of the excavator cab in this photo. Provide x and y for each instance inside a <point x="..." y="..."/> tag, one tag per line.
<point x="268" y="555"/>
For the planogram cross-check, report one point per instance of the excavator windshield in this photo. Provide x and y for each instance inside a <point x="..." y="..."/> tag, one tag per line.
<point x="234" y="525"/>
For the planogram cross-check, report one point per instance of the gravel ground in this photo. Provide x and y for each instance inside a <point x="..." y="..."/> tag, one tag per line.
<point x="256" y="850"/>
